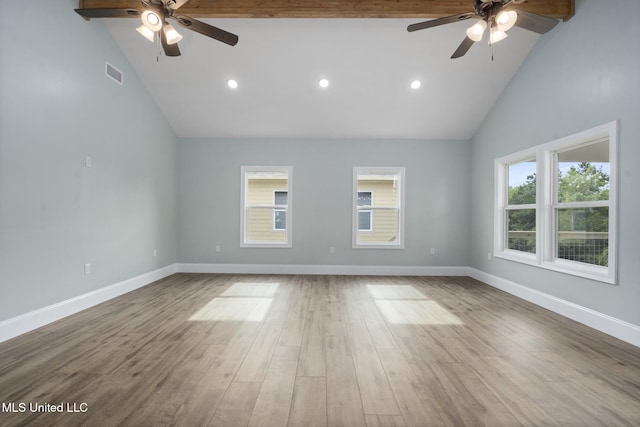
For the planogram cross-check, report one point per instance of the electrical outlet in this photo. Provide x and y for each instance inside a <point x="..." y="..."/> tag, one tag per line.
<point x="155" y="252"/>
<point x="88" y="161"/>
<point x="218" y="248"/>
<point x="87" y="269"/>
<point x="488" y="255"/>
<point x="432" y="251"/>
<point x="332" y="250"/>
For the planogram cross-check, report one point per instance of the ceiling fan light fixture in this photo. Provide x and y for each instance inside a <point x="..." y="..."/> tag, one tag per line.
<point x="151" y="20"/>
<point x="506" y="19"/>
<point x="496" y="36"/>
<point x="476" y="31"/>
<point x="173" y="36"/>
<point x="147" y="33"/>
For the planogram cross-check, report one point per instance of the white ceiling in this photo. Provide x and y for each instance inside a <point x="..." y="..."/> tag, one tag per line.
<point x="369" y="62"/>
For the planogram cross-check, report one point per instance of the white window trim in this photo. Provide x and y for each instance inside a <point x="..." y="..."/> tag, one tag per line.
<point x="501" y="202"/>
<point x="546" y="183"/>
<point x="244" y="243"/>
<point x="399" y="244"/>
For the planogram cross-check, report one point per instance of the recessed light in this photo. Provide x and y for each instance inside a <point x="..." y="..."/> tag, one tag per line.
<point x="323" y="83"/>
<point x="232" y="84"/>
<point x="415" y="84"/>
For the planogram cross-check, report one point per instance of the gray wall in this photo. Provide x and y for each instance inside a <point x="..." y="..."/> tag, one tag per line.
<point x="584" y="73"/>
<point x="437" y="209"/>
<point x="56" y="107"/>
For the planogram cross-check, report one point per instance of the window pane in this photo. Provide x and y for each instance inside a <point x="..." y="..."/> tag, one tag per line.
<point x="583" y="173"/>
<point x="522" y="183"/>
<point x="280" y="220"/>
<point x="280" y="198"/>
<point x="521" y="235"/>
<point x="583" y="235"/>
<point x="364" y="220"/>
<point x="260" y="226"/>
<point x="384" y="227"/>
<point x="364" y="198"/>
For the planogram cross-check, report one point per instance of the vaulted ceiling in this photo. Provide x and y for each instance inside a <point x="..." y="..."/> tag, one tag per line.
<point x="369" y="62"/>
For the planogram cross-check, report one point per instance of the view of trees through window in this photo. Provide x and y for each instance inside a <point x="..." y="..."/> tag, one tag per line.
<point x="583" y="230"/>
<point x="582" y="222"/>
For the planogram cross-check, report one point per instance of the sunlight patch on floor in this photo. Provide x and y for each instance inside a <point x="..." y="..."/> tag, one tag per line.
<point x="242" y="289"/>
<point x="234" y="309"/>
<point x="395" y="292"/>
<point x="243" y="301"/>
<point x="420" y="312"/>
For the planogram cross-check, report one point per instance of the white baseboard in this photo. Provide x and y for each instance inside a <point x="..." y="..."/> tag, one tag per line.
<point x="346" y="270"/>
<point x="610" y="325"/>
<point x="617" y="328"/>
<point x="19" y="325"/>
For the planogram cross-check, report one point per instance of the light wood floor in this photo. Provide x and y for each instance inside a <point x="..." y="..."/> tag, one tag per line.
<point x="237" y="350"/>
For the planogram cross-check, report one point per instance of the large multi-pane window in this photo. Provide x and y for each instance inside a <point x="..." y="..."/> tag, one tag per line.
<point x="378" y="207"/>
<point x="266" y="206"/>
<point x="555" y="205"/>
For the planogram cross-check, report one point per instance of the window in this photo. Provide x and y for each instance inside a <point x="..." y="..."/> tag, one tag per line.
<point x="266" y="206"/>
<point x="378" y="207"/>
<point x="280" y="214"/>
<point x="555" y="205"/>
<point x="365" y="222"/>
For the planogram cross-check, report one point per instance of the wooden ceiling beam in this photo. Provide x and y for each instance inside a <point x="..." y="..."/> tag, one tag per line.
<point x="558" y="9"/>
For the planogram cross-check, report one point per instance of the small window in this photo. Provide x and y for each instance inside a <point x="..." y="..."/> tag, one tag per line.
<point x="266" y="206"/>
<point x="280" y="211"/>
<point x="378" y="207"/>
<point x="365" y="222"/>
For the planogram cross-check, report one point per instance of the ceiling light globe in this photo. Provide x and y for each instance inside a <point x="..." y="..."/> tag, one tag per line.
<point x="233" y="84"/>
<point x="476" y="31"/>
<point x="147" y="33"/>
<point x="496" y="36"/>
<point x="324" y="83"/>
<point x="172" y="35"/>
<point x="151" y="20"/>
<point x="506" y="19"/>
<point x="415" y="84"/>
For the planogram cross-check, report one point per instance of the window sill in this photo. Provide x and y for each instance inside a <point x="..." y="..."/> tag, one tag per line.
<point x="376" y="246"/>
<point x="592" y="272"/>
<point x="266" y="245"/>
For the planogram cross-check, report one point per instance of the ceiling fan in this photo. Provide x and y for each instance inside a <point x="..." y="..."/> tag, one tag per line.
<point x="154" y="15"/>
<point x="499" y="16"/>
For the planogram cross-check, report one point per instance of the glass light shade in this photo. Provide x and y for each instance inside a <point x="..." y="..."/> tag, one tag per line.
<point x="506" y="19"/>
<point x="323" y="83"/>
<point x="415" y="84"/>
<point x="496" y="36"/>
<point x="151" y="20"/>
<point x="147" y="33"/>
<point x="476" y="31"/>
<point x="233" y="84"/>
<point x="173" y="36"/>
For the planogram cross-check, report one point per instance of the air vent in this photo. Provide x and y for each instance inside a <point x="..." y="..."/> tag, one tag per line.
<point x="114" y="73"/>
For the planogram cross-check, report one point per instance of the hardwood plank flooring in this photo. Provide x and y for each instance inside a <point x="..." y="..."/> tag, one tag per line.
<point x="276" y="350"/>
